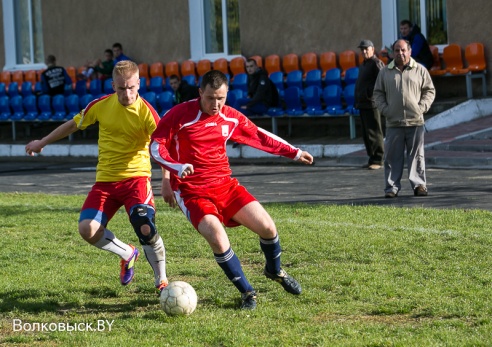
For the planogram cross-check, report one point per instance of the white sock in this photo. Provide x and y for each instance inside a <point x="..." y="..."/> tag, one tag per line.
<point x="110" y="243"/>
<point x="156" y="256"/>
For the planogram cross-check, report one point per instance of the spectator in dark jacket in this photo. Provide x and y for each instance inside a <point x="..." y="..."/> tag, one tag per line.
<point x="370" y="116"/>
<point x="54" y="78"/>
<point x="420" y="47"/>
<point x="183" y="91"/>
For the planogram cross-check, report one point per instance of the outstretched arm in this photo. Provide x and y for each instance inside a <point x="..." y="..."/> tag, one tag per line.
<point x="36" y="146"/>
<point x="306" y="158"/>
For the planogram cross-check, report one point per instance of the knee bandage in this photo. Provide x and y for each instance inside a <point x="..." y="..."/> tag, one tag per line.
<point x="141" y="215"/>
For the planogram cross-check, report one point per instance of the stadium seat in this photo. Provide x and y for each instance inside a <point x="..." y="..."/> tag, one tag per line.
<point x="81" y="88"/>
<point x="44" y="106"/>
<point x="294" y="79"/>
<point x="313" y="78"/>
<point x="383" y="55"/>
<point x="258" y="59"/>
<point x="333" y="77"/>
<point x="95" y="88"/>
<point x="151" y="98"/>
<point x="72" y="105"/>
<point x="84" y="100"/>
<point x="38" y="88"/>
<point x="475" y="57"/>
<point x="143" y="70"/>
<point x="293" y="102"/>
<point x="30" y="76"/>
<point x="453" y="59"/>
<point x="68" y="89"/>
<point x="221" y="64"/>
<point x="26" y="88"/>
<point x="71" y="71"/>
<point x="309" y="62"/>
<point x="278" y="79"/>
<point x="17" y="107"/>
<point x="203" y="66"/>
<point x="108" y="85"/>
<point x="143" y="88"/>
<point x="3" y="90"/>
<point x="351" y="75"/>
<point x="290" y="62"/>
<point x="156" y="85"/>
<point x="436" y="68"/>
<point x="172" y="68"/>
<point x="272" y="64"/>
<point x="13" y="89"/>
<point x="236" y="66"/>
<point x="327" y="61"/>
<point x="5" y="78"/>
<point x="190" y="79"/>
<point x="312" y="97"/>
<point x="188" y="68"/>
<point x="4" y="108"/>
<point x="59" y="110"/>
<point x="17" y="76"/>
<point x="332" y="95"/>
<point x="347" y="59"/>
<point x="30" y="107"/>
<point x="165" y="102"/>
<point x="240" y="82"/>
<point x="156" y="69"/>
<point x="233" y="95"/>
<point x="349" y="97"/>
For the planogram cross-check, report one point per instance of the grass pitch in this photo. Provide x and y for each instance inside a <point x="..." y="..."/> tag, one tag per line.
<point x="371" y="276"/>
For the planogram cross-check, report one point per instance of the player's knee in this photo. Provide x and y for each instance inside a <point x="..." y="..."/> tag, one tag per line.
<point x="90" y="232"/>
<point x="142" y="218"/>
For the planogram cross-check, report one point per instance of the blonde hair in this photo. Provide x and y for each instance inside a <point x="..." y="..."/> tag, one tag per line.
<point x="125" y="68"/>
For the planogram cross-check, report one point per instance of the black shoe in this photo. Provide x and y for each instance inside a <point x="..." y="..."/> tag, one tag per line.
<point x="249" y="300"/>
<point x="287" y="281"/>
<point x="390" y="195"/>
<point x="420" y="191"/>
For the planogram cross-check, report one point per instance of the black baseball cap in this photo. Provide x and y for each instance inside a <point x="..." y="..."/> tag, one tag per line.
<point x="365" y="44"/>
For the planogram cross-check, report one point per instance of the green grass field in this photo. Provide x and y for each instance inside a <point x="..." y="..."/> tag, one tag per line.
<point x="371" y="276"/>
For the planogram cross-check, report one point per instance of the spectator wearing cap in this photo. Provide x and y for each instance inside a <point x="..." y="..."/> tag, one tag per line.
<point x="372" y="130"/>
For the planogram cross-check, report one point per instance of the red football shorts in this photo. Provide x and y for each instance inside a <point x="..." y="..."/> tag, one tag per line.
<point x="106" y="198"/>
<point x="223" y="200"/>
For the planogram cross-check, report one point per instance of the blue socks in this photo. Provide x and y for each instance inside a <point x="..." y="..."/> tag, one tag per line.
<point x="231" y="266"/>
<point x="271" y="249"/>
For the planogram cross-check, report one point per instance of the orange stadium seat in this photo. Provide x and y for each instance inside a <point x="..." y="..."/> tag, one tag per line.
<point x="309" y="61"/>
<point x="5" y="78"/>
<point x="290" y="62"/>
<point x="143" y="70"/>
<point x="327" y="61"/>
<point x="222" y="65"/>
<point x="347" y="59"/>
<point x="272" y="64"/>
<point x="436" y="68"/>
<point x="71" y="71"/>
<point x="39" y="73"/>
<point x="156" y="70"/>
<point x="18" y="76"/>
<point x="453" y="59"/>
<point x="258" y="59"/>
<point x="172" y="68"/>
<point x="383" y="55"/>
<point x="236" y="65"/>
<point x="475" y="57"/>
<point x="188" y="67"/>
<point x="203" y="66"/>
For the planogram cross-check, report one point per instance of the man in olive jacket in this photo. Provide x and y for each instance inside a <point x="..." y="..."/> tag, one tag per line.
<point x="372" y="131"/>
<point x="403" y="93"/>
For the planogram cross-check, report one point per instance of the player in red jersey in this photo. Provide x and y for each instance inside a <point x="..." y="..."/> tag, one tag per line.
<point x="190" y="142"/>
<point x="126" y="122"/>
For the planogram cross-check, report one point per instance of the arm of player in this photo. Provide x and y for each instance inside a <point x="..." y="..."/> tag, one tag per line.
<point x="159" y="152"/>
<point x="166" y="190"/>
<point x="36" y="146"/>
<point x="306" y="158"/>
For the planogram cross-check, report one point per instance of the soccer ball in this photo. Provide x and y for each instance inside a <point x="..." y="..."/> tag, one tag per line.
<point x="178" y="298"/>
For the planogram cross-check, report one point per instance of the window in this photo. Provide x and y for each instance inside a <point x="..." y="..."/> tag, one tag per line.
<point x="214" y="28"/>
<point x="23" y="32"/>
<point x="429" y="15"/>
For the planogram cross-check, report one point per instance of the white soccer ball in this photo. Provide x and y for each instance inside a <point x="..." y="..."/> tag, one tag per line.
<point x="178" y="298"/>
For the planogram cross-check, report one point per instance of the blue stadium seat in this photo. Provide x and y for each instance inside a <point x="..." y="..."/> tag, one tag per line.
<point x="312" y="97"/>
<point x="95" y="88"/>
<point x="240" y="82"/>
<point x="81" y="88"/>
<point x="332" y="95"/>
<point x="293" y="102"/>
<point x="151" y="98"/>
<point x="294" y="79"/>
<point x="156" y="85"/>
<point x="333" y="77"/>
<point x="4" y="108"/>
<point x="17" y="107"/>
<point x="233" y="95"/>
<point x="26" y="88"/>
<point x="84" y="100"/>
<point x="38" y="88"/>
<point x="13" y="89"/>
<point x="30" y="107"/>
<point x="72" y="105"/>
<point x="44" y="105"/>
<point x="349" y="97"/>
<point x="190" y="79"/>
<point x="108" y="85"/>
<point x="59" y="110"/>
<point x="313" y="78"/>
<point x="278" y="79"/>
<point x="165" y="102"/>
<point x="68" y="89"/>
<point x="143" y="86"/>
<point x="3" y="89"/>
<point x="351" y="75"/>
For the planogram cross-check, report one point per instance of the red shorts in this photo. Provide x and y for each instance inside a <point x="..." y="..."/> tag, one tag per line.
<point x="105" y="198"/>
<point x="223" y="200"/>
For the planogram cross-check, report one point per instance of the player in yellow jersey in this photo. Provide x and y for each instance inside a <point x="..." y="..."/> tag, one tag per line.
<point x="126" y="122"/>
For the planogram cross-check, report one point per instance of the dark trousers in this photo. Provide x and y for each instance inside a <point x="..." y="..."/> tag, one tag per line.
<point x="372" y="133"/>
